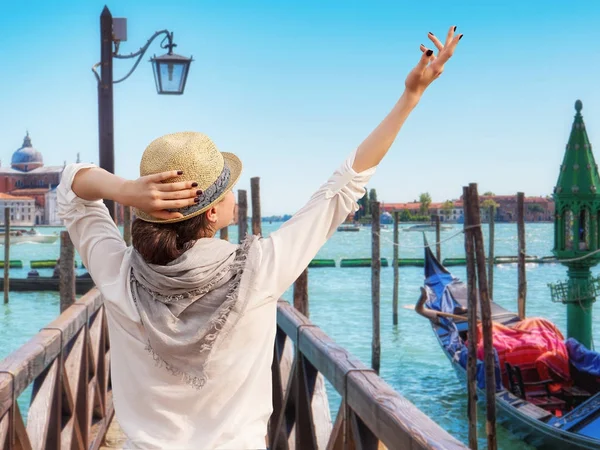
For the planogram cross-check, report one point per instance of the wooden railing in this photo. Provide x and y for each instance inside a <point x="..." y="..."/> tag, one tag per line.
<point x="371" y="413"/>
<point x="68" y="364"/>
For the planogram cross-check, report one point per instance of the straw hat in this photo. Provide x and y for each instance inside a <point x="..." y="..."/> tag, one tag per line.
<point x="195" y="153"/>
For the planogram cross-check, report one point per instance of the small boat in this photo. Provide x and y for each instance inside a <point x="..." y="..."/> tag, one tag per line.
<point x="427" y="227"/>
<point x="37" y="284"/>
<point x="546" y="412"/>
<point x="29" y="236"/>
<point x="348" y="228"/>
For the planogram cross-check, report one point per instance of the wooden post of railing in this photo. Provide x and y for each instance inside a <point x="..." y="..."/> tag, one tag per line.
<point x="6" y="252"/>
<point x="67" y="272"/>
<point x="242" y="215"/>
<point x="255" y="194"/>
<point x="396" y="270"/>
<point x="491" y="251"/>
<point x="301" y="293"/>
<point x="438" y="238"/>
<point x="375" y="285"/>
<point x="522" y="281"/>
<point x="486" y="317"/>
<point x="224" y="233"/>
<point x="472" y="325"/>
<point x="127" y="225"/>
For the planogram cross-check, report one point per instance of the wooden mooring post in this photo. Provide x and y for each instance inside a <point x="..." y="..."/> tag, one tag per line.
<point x="224" y="233"/>
<point x="6" y="252"/>
<point x="66" y="281"/>
<point x="242" y="215"/>
<point x="438" y="238"/>
<point x="522" y="281"/>
<point x="472" y="326"/>
<point x="301" y="293"/>
<point x="396" y="269"/>
<point x="486" y="317"/>
<point x="127" y="225"/>
<point x="375" y="285"/>
<point x="255" y="194"/>
<point x="492" y="223"/>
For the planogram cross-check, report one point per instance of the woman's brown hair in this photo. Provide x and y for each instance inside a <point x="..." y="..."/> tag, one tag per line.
<point x="161" y="243"/>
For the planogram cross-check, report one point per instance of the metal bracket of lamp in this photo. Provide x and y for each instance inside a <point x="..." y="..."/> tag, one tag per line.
<point x="170" y="70"/>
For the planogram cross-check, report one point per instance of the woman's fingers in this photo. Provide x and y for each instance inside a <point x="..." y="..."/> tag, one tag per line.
<point x="450" y="35"/>
<point x="174" y="204"/>
<point x="449" y="49"/>
<point x="180" y="186"/>
<point x="158" y="177"/>
<point x="184" y="194"/>
<point x="435" y="41"/>
<point x="425" y="57"/>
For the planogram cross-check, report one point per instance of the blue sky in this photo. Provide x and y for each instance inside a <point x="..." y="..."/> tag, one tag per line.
<point x="293" y="87"/>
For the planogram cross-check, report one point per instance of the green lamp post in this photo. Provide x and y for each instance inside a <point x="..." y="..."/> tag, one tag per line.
<point x="576" y="231"/>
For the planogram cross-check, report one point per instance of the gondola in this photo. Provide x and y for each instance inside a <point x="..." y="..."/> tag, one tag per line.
<point x="40" y="284"/>
<point x="548" y="413"/>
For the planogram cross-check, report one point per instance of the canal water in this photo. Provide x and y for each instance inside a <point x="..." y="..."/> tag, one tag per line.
<point x="340" y="303"/>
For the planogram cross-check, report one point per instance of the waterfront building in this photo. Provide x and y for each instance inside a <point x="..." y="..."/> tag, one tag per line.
<point x="28" y="177"/>
<point x="22" y="210"/>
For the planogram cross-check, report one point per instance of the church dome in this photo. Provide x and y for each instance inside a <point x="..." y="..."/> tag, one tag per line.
<point x="26" y="158"/>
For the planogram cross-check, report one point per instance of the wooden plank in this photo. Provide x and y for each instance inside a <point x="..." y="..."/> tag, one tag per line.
<point x="521" y="276"/>
<point x="301" y="293"/>
<point x="242" y="215"/>
<point x="306" y="375"/>
<point x="22" y="441"/>
<point x="336" y="439"/>
<point x="392" y="418"/>
<point x="67" y="271"/>
<point x="491" y="242"/>
<point x="472" y="325"/>
<point x="6" y="393"/>
<point x="396" y="270"/>
<point x="256" y="216"/>
<point x="375" y="286"/>
<point x="6" y="278"/>
<point x="486" y="318"/>
<point x="38" y="417"/>
<point x="364" y="439"/>
<point x="4" y="431"/>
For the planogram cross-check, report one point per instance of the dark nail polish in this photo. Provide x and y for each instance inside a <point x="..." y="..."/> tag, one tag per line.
<point x="196" y="200"/>
<point x="198" y="192"/>
<point x="429" y="52"/>
<point x="431" y="33"/>
<point x="455" y="28"/>
<point x="180" y="172"/>
<point x="460" y="37"/>
<point x="194" y="184"/>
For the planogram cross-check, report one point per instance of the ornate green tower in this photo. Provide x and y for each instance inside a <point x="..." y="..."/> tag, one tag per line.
<point x="576" y="230"/>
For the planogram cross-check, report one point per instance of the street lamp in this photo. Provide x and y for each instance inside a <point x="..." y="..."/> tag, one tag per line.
<point x="170" y="74"/>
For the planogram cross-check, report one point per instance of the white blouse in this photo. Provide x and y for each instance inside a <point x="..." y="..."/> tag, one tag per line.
<point x="159" y="411"/>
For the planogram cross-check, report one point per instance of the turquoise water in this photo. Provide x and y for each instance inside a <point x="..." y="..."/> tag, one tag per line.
<point x="340" y="303"/>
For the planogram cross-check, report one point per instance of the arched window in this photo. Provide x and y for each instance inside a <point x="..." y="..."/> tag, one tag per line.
<point x="584" y="229"/>
<point x="568" y="229"/>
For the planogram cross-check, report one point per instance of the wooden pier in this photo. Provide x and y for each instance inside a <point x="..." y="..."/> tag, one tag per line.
<point x="68" y="365"/>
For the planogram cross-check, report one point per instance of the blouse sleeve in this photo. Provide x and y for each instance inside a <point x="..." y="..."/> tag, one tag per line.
<point x="289" y="250"/>
<point x="93" y="232"/>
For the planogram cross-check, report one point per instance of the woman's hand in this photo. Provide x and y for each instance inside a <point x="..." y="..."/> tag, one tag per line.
<point x="431" y="66"/>
<point x="154" y="197"/>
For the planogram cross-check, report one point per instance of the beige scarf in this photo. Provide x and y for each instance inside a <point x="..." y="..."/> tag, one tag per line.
<point x="189" y="306"/>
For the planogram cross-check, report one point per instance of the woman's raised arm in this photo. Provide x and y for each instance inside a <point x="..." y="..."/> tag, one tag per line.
<point x="376" y="145"/>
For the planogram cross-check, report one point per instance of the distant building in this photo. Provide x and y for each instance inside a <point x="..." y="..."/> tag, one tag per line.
<point x="28" y="177"/>
<point x="51" y="208"/>
<point x="22" y="210"/>
<point x="537" y="209"/>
